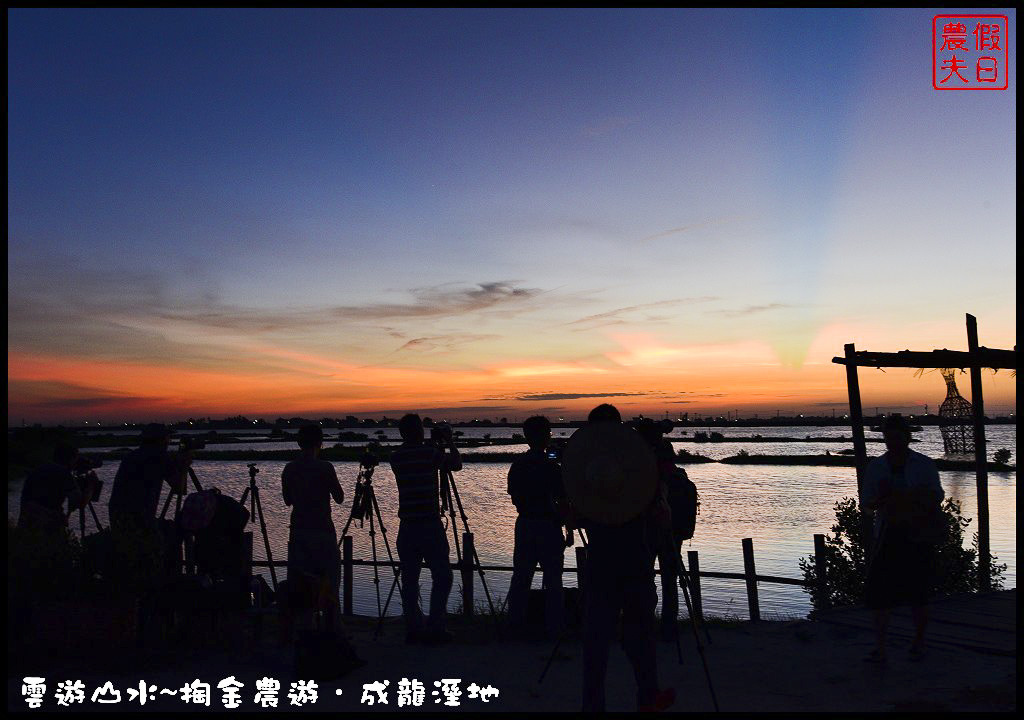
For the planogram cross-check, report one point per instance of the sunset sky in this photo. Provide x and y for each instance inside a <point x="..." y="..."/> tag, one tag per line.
<point x="488" y="213"/>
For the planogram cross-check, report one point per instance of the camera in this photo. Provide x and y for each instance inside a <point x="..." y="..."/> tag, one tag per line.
<point x="554" y="450"/>
<point x="441" y="433"/>
<point x="191" y="443"/>
<point x="368" y="461"/>
<point x="84" y="473"/>
<point x="85" y="464"/>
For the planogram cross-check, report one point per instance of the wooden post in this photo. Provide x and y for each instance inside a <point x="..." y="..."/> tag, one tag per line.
<point x="820" y="572"/>
<point x="695" y="598"/>
<point x="751" y="573"/>
<point x="860" y="447"/>
<point x="346" y="575"/>
<point x="467" y="573"/>
<point x="980" y="459"/>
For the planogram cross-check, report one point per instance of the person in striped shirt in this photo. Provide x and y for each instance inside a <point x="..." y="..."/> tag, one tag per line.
<point x="416" y="465"/>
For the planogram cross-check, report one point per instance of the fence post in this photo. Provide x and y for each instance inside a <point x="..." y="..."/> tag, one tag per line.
<point x="468" y="554"/>
<point x="751" y="573"/>
<point x="346" y="575"/>
<point x="695" y="600"/>
<point x="820" y="570"/>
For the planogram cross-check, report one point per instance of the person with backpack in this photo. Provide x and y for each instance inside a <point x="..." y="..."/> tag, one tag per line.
<point x="680" y="494"/>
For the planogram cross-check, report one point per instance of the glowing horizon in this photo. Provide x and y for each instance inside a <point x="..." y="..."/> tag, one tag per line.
<point x="494" y="212"/>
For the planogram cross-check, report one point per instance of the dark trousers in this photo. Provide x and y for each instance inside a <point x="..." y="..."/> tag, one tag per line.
<point x="538" y="540"/>
<point x="619" y="580"/>
<point x="419" y="541"/>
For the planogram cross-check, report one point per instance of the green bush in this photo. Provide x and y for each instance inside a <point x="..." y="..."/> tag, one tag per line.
<point x="42" y="564"/>
<point x="956" y="567"/>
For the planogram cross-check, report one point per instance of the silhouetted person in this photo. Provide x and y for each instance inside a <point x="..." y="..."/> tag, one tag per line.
<point x="535" y="485"/>
<point x="421" y="536"/>
<point x="140" y="477"/>
<point x="308" y="485"/>
<point x="902" y="489"/>
<point x="670" y="477"/>
<point x="45" y="490"/>
<point x="619" y="580"/>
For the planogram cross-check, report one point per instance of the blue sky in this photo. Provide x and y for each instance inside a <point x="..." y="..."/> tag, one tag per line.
<point x="186" y="186"/>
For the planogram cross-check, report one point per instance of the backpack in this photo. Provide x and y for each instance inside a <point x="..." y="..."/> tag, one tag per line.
<point x="684" y="502"/>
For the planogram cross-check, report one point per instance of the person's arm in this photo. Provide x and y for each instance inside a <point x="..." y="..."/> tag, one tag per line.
<point x="336" y="492"/>
<point x="869" y="492"/>
<point x="454" y="462"/>
<point x="177" y="472"/>
<point x="514" y="482"/>
<point x="286" y="486"/>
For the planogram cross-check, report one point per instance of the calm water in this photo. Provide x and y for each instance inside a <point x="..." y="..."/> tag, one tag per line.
<point x="779" y="507"/>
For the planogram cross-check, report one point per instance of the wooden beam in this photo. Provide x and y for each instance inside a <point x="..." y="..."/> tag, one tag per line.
<point x="981" y="358"/>
<point x="860" y="447"/>
<point x="980" y="465"/>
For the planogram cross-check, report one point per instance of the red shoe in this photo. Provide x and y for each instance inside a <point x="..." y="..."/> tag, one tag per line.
<point x="663" y="700"/>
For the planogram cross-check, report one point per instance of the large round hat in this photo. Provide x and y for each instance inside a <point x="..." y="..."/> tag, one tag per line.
<point x="610" y="473"/>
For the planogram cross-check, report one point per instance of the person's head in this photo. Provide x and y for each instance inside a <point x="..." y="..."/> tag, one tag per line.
<point x="604" y="413"/>
<point x="311" y="437"/>
<point x="64" y="453"/>
<point x="410" y="427"/>
<point x="537" y="430"/>
<point x="155" y="435"/>
<point x="896" y="431"/>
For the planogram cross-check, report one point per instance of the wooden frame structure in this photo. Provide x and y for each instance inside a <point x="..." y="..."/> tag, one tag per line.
<point x="976" y="358"/>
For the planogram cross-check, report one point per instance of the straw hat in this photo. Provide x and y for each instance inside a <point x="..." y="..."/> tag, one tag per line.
<point x="610" y="473"/>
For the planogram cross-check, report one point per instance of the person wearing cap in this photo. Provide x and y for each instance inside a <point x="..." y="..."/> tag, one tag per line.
<point x="902" y="490"/>
<point x="45" y="490"/>
<point x="535" y="486"/>
<point x="141" y="475"/>
<point x="611" y="478"/>
<point x="308" y="485"/>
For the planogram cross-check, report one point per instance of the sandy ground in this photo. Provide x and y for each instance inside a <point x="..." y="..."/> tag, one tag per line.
<point x="795" y="666"/>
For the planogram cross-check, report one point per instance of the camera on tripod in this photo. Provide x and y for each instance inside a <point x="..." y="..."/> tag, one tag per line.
<point x="441" y="433"/>
<point x="84" y="473"/>
<point x="191" y="443"/>
<point x="368" y="461"/>
<point x="554" y="450"/>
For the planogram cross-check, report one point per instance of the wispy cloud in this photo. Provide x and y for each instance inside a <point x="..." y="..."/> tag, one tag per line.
<point x="687" y="228"/>
<point x="752" y="310"/>
<point x="575" y="396"/>
<point x="618" y="316"/>
<point x="442" y="343"/>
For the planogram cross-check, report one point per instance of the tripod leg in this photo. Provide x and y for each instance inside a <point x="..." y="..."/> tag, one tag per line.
<point x="167" y="504"/>
<point x="476" y="557"/>
<point x="380" y="619"/>
<point x="266" y="538"/>
<point x="376" y="573"/>
<point x="95" y="517"/>
<point x="384" y="534"/>
<point x="696" y="635"/>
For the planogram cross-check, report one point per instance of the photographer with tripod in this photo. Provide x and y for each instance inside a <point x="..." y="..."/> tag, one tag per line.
<point x="47" y="487"/>
<point x="308" y="485"/>
<point x="535" y="486"/>
<point x="421" y="535"/>
<point x="611" y="479"/>
<point x="135" y="494"/>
